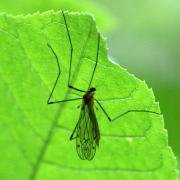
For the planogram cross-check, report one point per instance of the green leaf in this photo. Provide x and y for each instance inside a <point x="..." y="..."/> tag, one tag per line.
<point x="34" y="139"/>
<point x="105" y="19"/>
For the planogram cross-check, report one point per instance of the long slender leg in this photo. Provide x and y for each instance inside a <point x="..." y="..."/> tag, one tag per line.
<point x="123" y="114"/>
<point x="97" y="54"/>
<point x="59" y="72"/>
<point x="71" y="55"/>
<point x="103" y="110"/>
<point x="64" y="100"/>
<point x="71" y="137"/>
<point x="81" y="117"/>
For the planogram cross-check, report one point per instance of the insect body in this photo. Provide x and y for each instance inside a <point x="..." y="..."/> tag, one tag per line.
<point x="87" y="130"/>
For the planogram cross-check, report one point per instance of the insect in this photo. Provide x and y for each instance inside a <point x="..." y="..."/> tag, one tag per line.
<point x="86" y="131"/>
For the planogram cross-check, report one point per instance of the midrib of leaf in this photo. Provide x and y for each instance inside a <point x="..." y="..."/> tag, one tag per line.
<point x="45" y="145"/>
<point x="54" y="123"/>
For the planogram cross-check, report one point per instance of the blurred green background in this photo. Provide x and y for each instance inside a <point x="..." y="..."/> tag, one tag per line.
<point x="143" y="36"/>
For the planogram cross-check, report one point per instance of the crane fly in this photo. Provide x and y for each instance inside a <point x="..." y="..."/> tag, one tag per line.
<point x="86" y="131"/>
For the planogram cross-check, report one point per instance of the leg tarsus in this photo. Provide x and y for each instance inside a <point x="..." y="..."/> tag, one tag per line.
<point x="136" y="110"/>
<point x="125" y="113"/>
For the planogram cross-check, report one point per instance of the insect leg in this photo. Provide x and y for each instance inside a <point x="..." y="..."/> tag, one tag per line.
<point x="71" y="55"/>
<point x="59" y="72"/>
<point x="79" y="122"/>
<point x="71" y="137"/>
<point x="97" y="54"/>
<point x="65" y="100"/>
<point x="135" y="110"/>
<point x="103" y="110"/>
<point x="126" y="112"/>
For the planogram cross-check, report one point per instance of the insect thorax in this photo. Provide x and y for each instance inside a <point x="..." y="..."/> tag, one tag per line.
<point x="89" y="96"/>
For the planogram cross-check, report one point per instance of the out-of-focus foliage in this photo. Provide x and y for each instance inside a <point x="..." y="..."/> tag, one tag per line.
<point x="147" y="43"/>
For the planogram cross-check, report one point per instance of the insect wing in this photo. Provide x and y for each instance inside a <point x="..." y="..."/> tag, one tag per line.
<point x="85" y="135"/>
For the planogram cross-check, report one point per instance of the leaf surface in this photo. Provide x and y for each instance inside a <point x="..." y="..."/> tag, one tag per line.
<point x="35" y="136"/>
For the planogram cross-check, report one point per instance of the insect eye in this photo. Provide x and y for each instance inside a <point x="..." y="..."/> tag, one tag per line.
<point x="93" y="89"/>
